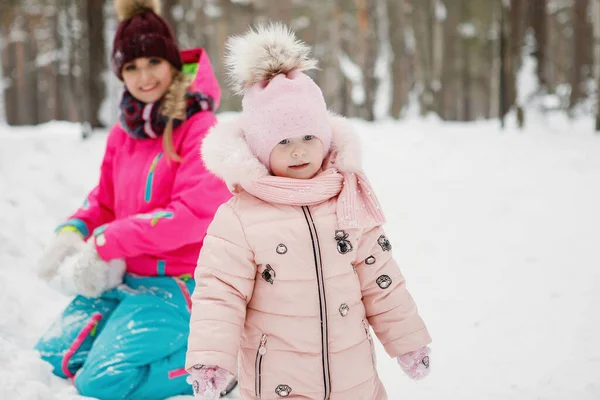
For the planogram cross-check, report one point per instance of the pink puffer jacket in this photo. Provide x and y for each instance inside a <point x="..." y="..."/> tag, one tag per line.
<point x="295" y="292"/>
<point x="147" y="209"/>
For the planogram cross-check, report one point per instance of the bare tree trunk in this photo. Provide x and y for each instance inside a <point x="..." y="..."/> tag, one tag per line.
<point x="366" y="15"/>
<point x="77" y="72"/>
<point x="9" y="61"/>
<point x="503" y="67"/>
<point x="450" y="77"/>
<point x="560" y="51"/>
<point x="382" y="67"/>
<point x="96" y="60"/>
<point x="353" y="22"/>
<point x="467" y="112"/>
<point x="45" y="64"/>
<point x="596" y="18"/>
<point x="580" y="44"/>
<point x="437" y="53"/>
<point x="466" y="67"/>
<point x="66" y="89"/>
<point x="424" y="45"/>
<point x="538" y="20"/>
<point x="59" y="80"/>
<point x="346" y="23"/>
<point x="511" y="42"/>
<point x="325" y="17"/>
<point x="21" y="96"/>
<point x="516" y="29"/>
<point x="401" y="56"/>
<point x="31" y="95"/>
<point x="494" y="81"/>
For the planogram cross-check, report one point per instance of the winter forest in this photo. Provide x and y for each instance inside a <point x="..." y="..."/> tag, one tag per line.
<point x="458" y="59"/>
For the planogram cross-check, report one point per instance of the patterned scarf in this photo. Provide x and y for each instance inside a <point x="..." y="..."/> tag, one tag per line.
<point x="357" y="206"/>
<point x="144" y="121"/>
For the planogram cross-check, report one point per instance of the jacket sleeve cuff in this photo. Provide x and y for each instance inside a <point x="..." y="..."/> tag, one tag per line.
<point x="223" y="360"/>
<point x="76" y="223"/>
<point x="406" y="344"/>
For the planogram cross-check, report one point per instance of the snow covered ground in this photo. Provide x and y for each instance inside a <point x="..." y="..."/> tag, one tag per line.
<point x="497" y="233"/>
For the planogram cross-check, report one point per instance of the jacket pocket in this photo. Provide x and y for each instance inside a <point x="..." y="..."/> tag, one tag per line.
<point x="371" y="345"/>
<point x="260" y="353"/>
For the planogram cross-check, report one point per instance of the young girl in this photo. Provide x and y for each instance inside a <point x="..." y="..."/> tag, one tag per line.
<point x="147" y="217"/>
<point x="295" y="268"/>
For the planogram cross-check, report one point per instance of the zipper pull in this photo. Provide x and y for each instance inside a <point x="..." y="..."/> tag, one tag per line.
<point x="262" y="350"/>
<point x="370" y="338"/>
<point x="367" y="331"/>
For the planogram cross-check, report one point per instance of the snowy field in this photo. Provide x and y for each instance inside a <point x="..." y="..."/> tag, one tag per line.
<point x="498" y="235"/>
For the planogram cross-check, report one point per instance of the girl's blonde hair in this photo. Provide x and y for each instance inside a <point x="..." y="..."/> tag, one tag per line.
<point x="174" y="107"/>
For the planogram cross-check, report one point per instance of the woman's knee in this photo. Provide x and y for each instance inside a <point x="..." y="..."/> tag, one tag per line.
<point x="110" y="377"/>
<point x="66" y="344"/>
<point x="54" y="356"/>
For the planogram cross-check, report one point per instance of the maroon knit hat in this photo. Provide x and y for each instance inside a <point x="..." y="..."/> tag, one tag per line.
<point x="142" y="33"/>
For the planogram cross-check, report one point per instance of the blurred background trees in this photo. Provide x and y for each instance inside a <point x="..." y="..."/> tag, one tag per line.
<point x="462" y="60"/>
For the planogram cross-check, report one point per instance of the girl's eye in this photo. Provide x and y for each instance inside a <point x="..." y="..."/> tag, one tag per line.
<point x="154" y="61"/>
<point x="130" y="67"/>
<point x="284" y="141"/>
<point x="309" y="137"/>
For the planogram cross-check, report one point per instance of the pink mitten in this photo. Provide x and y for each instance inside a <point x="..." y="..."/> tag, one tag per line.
<point x="209" y="381"/>
<point x="416" y="363"/>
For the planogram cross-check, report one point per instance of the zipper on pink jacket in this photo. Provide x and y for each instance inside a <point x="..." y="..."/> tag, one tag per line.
<point x="322" y="301"/>
<point x="371" y="344"/>
<point x="262" y="350"/>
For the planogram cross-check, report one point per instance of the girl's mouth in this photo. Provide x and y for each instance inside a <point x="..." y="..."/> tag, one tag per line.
<point x="300" y="166"/>
<point x="149" y="89"/>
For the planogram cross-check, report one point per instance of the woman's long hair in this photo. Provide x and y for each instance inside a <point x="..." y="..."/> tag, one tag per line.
<point x="174" y="107"/>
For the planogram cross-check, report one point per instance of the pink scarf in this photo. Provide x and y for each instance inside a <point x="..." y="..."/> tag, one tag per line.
<point x="357" y="206"/>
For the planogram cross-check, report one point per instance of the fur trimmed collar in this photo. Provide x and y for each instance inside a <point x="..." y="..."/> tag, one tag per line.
<point x="227" y="155"/>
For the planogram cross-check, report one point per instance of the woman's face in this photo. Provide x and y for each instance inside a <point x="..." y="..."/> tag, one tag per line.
<point x="148" y="79"/>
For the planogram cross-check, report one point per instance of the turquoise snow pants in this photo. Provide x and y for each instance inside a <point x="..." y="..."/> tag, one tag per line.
<point x="128" y="344"/>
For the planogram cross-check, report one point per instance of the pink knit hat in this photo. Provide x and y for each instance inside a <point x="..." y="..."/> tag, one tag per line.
<point x="280" y="101"/>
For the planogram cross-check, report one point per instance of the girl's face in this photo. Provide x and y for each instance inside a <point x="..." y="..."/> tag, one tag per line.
<point x="148" y="79"/>
<point x="299" y="157"/>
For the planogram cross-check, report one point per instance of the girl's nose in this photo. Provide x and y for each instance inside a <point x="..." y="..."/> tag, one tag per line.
<point x="298" y="152"/>
<point x="144" y="75"/>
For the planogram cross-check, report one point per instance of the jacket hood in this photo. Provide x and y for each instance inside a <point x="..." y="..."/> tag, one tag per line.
<point x="205" y="80"/>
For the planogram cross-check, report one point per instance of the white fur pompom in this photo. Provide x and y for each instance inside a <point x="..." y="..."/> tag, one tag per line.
<point x="128" y="8"/>
<point x="263" y="53"/>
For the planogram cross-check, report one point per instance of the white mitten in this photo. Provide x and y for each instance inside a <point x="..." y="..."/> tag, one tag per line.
<point x="87" y="274"/>
<point x="64" y="245"/>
